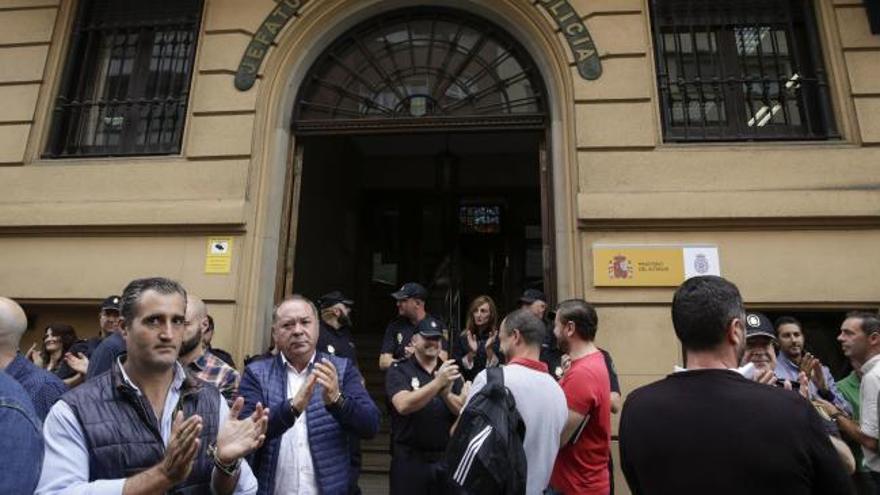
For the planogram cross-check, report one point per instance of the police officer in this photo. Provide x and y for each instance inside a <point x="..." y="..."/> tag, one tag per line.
<point x="335" y="327"/>
<point x="397" y="343"/>
<point x="536" y="302"/>
<point x="334" y="337"/>
<point x="426" y="396"/>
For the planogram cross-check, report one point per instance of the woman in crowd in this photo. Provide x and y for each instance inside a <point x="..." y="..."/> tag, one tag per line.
<point x="476" y="347"/>
<point x="57" y="341"/>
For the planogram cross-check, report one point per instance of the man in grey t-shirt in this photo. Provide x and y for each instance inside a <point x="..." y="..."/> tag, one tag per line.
<point x="539" y="399"/>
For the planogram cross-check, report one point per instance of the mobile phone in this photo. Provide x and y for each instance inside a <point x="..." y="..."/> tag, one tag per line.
<point x="795" y="385"/>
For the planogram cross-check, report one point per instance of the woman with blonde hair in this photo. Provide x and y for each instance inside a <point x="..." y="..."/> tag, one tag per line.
<point x="476" y="347"/>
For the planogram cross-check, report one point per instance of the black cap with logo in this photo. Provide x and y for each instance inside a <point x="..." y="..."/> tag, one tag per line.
<point x="333" y="298"/>
<point x="411" y="290"/>
<point x="531" y="295"/>
<point x="429" y="328"/>
<point x="113" y="303"/>
<point x="759" y="325"/>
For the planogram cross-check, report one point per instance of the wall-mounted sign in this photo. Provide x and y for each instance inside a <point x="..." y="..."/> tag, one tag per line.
<point x="651" y="266"/>
<point x="257" y="49"/>
<point x="578" y="37"/>
<point x="218" y="256"/>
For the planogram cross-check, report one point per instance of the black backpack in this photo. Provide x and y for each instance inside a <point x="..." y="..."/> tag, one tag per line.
<point x="485" y="455"/>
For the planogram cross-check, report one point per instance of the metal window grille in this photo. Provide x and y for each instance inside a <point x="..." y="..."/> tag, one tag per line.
<point x="739" y="70"/>
<point x="421" y="67"/>
<point x="125" y="87"/>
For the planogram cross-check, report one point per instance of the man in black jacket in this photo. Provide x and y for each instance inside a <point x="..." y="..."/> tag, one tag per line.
<point x="707" y="429"/>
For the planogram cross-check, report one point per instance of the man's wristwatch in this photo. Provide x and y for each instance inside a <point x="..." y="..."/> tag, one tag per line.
<point x="338" y="401"/>
<point x="296" y="412"/>
<point x="227" y="469"/>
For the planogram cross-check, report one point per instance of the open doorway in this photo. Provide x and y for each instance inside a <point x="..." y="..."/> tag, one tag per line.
<point x="459" y="213"/>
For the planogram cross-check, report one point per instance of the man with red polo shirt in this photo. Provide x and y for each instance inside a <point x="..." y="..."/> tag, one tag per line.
<point x="582" y="464"/>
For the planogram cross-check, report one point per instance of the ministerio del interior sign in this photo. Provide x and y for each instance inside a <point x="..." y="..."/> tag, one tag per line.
<point x="651" y="266"/>
<point x="567" y="19"/>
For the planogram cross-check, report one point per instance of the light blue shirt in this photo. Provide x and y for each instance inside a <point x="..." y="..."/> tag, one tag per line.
<point x="787" y="370"/>
<point x="66" y="463"/>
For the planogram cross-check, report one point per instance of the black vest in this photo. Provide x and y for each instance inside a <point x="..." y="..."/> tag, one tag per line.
<point x="122" y="433"/>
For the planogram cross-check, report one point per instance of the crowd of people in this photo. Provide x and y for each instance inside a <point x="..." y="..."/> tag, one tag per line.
<point x="520" y="403"/>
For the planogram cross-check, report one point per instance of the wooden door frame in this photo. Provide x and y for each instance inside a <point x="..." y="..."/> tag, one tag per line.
<point x="287" y="239"/>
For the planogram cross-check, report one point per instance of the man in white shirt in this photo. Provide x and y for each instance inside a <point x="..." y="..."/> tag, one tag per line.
<point x="860" y="340"/>
<point x="317" y="402"/>
<point x="539" y="399"/>
<point x="170" y="432"/>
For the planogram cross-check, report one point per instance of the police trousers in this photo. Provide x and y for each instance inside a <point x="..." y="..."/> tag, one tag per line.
<point x="413" y="471"/>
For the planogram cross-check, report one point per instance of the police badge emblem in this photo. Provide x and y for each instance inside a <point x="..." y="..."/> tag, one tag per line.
<point x="331" y="349"/>
<point x="415" y="383"/>
<point x="701" y="264"/>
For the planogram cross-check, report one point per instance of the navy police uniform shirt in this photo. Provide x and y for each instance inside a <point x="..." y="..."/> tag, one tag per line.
<point x="399" y="333"/>
<point x="425" y="430"/>
<point x="337" y="342"/>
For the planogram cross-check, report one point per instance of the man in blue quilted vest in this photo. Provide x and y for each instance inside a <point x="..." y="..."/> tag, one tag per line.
<point x="147" y="426"/>
<point x="316" y="402"/>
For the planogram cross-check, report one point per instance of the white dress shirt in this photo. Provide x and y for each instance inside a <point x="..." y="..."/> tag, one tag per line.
<point x="66" y="462"/>
<point x="295" y="472"/>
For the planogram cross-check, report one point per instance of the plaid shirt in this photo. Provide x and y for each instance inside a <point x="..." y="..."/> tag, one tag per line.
<point x="211" y="369"/>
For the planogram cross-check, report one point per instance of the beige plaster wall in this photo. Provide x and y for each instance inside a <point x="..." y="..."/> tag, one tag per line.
<point x="800" y="220"/>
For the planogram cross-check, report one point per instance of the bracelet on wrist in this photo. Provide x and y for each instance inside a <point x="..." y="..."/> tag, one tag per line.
<point x="230" y="469"/>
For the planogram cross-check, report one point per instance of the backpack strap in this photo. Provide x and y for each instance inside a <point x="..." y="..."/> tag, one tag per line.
<point x="495" y="375"/>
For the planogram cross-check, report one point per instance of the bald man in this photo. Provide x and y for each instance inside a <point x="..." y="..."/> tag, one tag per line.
<point x="195" y="356"/>
<point x="44" y="388"/>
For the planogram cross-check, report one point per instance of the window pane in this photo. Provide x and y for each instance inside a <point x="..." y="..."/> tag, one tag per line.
<point x="421" y="63"/>
<point x="128" y="78"/>
<point x="740" y="69"/>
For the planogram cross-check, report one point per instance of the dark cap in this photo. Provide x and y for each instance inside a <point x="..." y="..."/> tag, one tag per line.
<point x="429" y="327"/>
<point x="410" y="290"/>
<point x="333" y="298"/>
<point x="531" y="295"/>
<point x="112" y="302"/>
<point x="759" y="325"/>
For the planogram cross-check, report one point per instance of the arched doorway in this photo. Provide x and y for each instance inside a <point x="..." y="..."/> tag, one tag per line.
<point x="420" y="138"/>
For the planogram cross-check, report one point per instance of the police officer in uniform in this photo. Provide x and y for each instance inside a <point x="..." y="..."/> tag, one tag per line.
<point x="536" y="302"/>
<point x="335" y="327"/>
<point x="397" y="343"/>
<point x="426" y="395"/>
<point x="334" y="338"/>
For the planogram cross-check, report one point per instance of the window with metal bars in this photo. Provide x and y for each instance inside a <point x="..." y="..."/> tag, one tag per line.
<point x="125" y="87"/>
<point x="740" y="70"/>
<point x="421" y="68"/>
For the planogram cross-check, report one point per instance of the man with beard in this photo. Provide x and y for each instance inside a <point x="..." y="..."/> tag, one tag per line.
<point x="760" y="338"/>
<point x="582" y="463"/>
<point x="708" y="429"/>
<point x="792" y="360"/>
<point x="335" y="328"/>
<point x="535" y="302"/>
<point x="335" y="339"/>
<point x="397" y="344"/>
<point x="539" y="399"/>
<point x="202" y="362"/>
<point x="426" y="397"/>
